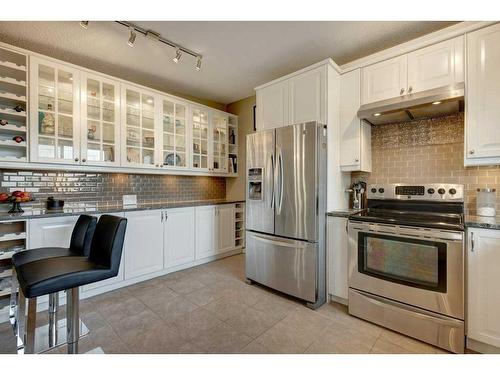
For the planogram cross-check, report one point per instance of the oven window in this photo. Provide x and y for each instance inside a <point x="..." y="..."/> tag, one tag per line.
<point x="417" y="263"/>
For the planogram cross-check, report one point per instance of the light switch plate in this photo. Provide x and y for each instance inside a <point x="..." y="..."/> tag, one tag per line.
<point x="129" y="199"/>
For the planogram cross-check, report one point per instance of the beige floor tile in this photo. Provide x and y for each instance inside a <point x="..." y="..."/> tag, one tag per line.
<point x="225" y="308"/>
<point x="195" y="324"/>
<point x="254" y="348"/>
<point x="105" y="338"/>
<point x="385" y="347"/>
<point x="173" y="308"/>
<point x="252" y="322"/>
<point x="150" y="296"/>
<point x="223" y="339"/>
<point x="276" y="306"/>
<point x="115" y="311"/>
<point x="160" y="338"/>
<point x="185" y="286"/>
<point x="132" y="326"/>
<point x="206" y="295"/>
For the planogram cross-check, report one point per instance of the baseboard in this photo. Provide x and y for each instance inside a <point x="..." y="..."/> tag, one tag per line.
<point x="481" y="347"/>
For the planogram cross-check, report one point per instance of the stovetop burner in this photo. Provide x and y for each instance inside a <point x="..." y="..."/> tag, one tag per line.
<point x="431" y="206"/>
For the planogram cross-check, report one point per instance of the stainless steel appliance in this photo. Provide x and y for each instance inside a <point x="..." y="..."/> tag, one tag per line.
<point x="285" y="208"/>
<point x="406" y="262"/>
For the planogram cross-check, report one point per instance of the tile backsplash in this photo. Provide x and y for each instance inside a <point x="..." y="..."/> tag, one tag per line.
<point x="429" y="150"/>
<point x="76" y="187"/>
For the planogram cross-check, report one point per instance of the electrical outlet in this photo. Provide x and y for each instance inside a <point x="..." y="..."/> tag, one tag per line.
<point x="129" y="199"/>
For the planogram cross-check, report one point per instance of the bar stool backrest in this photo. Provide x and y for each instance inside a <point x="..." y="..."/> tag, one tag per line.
<point x="107" y="244"/>
<point x="82" y="235"/>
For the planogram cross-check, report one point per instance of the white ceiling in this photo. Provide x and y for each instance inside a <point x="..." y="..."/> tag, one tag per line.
<point x="237" y="56"/>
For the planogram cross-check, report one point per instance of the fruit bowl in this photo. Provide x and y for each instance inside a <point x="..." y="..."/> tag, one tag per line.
<point x="16" y="198"/>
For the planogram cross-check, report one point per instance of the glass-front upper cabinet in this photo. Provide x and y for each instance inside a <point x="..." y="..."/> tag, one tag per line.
<point x="173" y="153"/>
<point x="199" y="136"/>
<point x="138" y="119"/>
<point x="219" y="142"/>
<point x="55" y="112"/>
<point x="100" y="128"/>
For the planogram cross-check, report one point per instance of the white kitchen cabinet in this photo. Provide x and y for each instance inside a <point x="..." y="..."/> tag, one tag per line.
<point x="205" y="232"/>
<point x="483" y="293"/>
<point x="272" y="106"/>
<point x="199" y="138"/>
<point x="174" y="146"/>
<point x="139" y="128"/>
<point x="482" y="135"/>
<point x="337" y="258"/>
<point x="384" y="80"/>
<point x="179" y="236"/>
<point x="143" y="245"/>
<point x="307" y="96"/>
<point x="355" y="135"/>
<point x="55" y="112"/>
<point x="51" y="232"/>
<point x="100" y="116"/>
<point x="219" y="142"/>
<point x="224" y="227"/>
<point x="438" y="65"/>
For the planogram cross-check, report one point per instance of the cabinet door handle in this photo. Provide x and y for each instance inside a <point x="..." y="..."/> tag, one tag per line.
<point x="471" y="152"/>
<point x="166" y="216"/>
<point x="356" y="160"/>
<point x="76" y="159"/>
<point x="472" y="242"/>
<point x="402" y="91"/>
<point x="162" y="216"/>
<point x="410" y="89"/>
<point x="84" y="160"/>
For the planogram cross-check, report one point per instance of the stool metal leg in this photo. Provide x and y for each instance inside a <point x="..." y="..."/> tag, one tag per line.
<point x="53" y="308"/>
<point x="73" y="319"/>
<point x="13" y="298"/>
<point x="29" y="342"/>
<point x="20" y="327"/>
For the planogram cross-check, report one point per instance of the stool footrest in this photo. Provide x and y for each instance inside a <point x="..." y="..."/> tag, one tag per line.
<point x="42" y="342"/>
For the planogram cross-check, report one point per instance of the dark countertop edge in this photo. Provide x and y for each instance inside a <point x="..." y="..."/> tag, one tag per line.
<point x="343" y="213"/>
<point x="482" y="222"/>
<point x="4" y="216"/>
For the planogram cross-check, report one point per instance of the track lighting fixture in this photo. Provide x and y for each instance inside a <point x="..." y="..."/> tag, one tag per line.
<point x="84" y="24"/>
<point x="178" y="55"/>
<point x="131" y="39"/>
<point x="198" y="64"/>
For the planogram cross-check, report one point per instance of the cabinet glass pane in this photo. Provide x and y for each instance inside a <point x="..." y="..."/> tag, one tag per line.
<point x="148" y="157"/>
<point x="133" y="155"/>
<point x="133" y="137"/>
<point x="108" y="92"/>
<point x="204" y="162"/>
<point x="108" y="153"/>
<point x="180" y="126"/>
<point x="46" y="98"/>
<point x="168" y="108"/>
<point x="46" y="123"/>
<point x="65" y="126"/>
<point x="148" y="139"/>
<point x="46" y="147"/>
<point x="65" y="149"/>
<point x="108" y="133"/>
<point x="181" y="160"/>
<point x="93" y="108"/>
<point x="47" y="76"/>
<point x="93" y="89"/>
<point x="168" y="142"/>
<point x="93" y="152"/>
<point x="168" y="124"/>
<point x="180" y="111"/>
<point x="93" y="131"/>
<point x="180" y="144"/>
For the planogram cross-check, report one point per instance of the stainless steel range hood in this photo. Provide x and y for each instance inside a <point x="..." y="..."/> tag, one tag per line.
<point x="435" y="102"/>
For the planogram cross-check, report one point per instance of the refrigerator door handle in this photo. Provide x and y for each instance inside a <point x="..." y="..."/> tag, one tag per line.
<point x="294" y="245"/>
<point x="272" y="174"/>
<point x="281" y="180"/>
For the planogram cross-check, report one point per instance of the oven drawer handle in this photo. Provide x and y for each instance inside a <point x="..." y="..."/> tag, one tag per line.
<point x="397" y="307"/>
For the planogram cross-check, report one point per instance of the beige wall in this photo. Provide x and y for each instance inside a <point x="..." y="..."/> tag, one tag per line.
<point x="424" y="151"/>
<point x="235" y="187"/>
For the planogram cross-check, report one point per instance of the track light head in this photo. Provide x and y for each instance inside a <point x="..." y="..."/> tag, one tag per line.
<point x="198" y="64"/>
<point x="84" y="24"/>
<point x="178" y="55"/>
<point x="131" y="39"/>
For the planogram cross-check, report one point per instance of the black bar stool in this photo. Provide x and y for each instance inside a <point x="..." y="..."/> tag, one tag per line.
<point x="81" y="238"/>
<point x="54" y="275"/>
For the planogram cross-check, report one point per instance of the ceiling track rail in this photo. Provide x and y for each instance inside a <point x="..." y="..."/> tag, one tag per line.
<point x="159" y="38"/>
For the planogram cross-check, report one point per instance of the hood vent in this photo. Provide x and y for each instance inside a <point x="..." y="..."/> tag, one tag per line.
<point x="436" y="102"/>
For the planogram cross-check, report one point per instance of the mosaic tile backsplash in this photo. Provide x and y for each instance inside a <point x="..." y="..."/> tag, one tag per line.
<point x="75" y="187"/>
<point x="428" y="150"/>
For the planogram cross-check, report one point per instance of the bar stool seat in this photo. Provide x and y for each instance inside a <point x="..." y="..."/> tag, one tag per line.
<point x="52" y="275"/>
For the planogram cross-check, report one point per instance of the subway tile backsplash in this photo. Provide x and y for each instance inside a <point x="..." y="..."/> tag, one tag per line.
<point x="429" y="150"/>
<point x="76" y="187"/>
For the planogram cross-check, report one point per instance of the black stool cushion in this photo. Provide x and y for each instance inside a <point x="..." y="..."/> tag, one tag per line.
<point x="81" y="238"/>
<point x="55" y="274"/>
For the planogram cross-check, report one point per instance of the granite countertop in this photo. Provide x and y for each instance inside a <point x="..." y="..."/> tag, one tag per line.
<point x="472" y="221"/>
<point x="103" y="208"/>
<point x="343" y="212"/>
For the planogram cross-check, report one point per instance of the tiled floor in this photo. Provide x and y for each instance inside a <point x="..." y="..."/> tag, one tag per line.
<point x="210" y="309"/>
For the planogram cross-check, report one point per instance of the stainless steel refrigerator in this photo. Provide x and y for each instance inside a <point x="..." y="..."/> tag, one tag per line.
<point x="285" y="210"/>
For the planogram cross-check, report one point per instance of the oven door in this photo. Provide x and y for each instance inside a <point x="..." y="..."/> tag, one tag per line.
<point x="418" y="266"/>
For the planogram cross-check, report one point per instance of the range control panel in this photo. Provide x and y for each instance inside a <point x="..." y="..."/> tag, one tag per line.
<point x="427" y="192"/>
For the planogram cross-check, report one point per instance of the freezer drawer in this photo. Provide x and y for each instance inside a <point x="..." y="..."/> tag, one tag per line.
<point x="283" y="264"/>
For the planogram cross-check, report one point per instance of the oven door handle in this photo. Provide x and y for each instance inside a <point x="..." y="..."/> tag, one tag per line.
<point x="421" y="235"/>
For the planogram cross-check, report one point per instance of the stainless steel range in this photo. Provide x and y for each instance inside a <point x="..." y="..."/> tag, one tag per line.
<point x="406" y="262"/>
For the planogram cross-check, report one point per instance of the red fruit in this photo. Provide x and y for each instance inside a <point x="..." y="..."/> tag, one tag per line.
<point x="18" y="193"/>
<point x="4" y="197"/>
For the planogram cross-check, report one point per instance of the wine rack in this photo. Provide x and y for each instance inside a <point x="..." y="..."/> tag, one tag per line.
<point x="239" y="225"/>
<point x="13" y="106"/>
